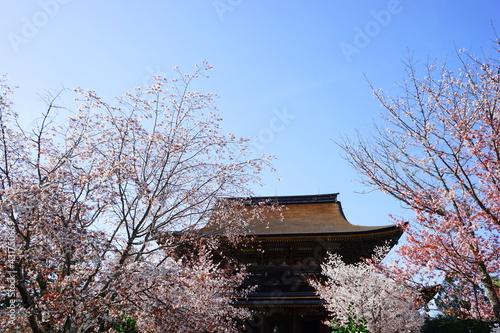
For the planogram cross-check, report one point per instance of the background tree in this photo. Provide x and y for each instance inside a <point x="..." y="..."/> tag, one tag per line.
<point x="358" y="292"/>
<point x="84" y="203"/>
<point x="450" y="319"/>
<point x="451" y="324"/>
<point x="438" y="152"/>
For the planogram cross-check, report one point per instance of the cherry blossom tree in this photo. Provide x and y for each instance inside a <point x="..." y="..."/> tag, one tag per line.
<point x="360" y="290"/>
<point x="93" y="211"/>
<point x="438" y="152"/>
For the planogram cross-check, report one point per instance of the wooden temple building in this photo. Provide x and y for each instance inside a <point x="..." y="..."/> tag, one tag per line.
<point x="284" y="252"/>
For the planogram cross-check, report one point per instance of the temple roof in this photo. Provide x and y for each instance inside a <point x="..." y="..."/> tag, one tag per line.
<point x="308" y="214"/>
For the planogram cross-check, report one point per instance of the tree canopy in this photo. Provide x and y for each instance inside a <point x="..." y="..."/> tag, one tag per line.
<point x="437" y="150"/>
<point x="359" y="291"/>
<point x="84" y="202"/>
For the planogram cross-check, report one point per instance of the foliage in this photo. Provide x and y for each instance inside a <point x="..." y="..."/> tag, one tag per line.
<point x="127" y="325"/>
<point x="438" y="153"/>
<point x="452" y="324"/>
<point x="354" y="324"/>
<point x="94" y="210"/>
<point x="358" y="294"/>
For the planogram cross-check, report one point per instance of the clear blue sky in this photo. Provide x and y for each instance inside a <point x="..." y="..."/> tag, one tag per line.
<point x="289" y="73"/>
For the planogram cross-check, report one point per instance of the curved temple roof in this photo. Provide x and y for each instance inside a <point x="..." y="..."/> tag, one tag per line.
<point x="310" y="214"/>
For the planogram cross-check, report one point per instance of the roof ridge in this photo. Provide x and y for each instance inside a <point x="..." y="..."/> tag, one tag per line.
<point x="289" y="199"/>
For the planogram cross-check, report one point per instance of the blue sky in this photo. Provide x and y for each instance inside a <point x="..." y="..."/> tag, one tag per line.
<point x="289" y="73"/>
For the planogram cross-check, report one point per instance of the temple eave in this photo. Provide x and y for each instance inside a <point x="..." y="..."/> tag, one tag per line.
<point x="297" y="299"/>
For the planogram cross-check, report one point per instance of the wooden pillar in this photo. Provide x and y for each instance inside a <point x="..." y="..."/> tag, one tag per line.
<point x="296" y="323"/>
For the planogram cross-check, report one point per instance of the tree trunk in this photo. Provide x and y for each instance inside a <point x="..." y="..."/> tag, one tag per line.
<point x="491" y="293"/>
